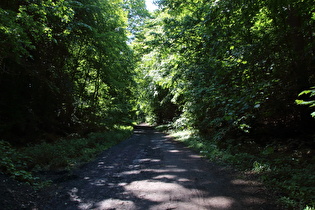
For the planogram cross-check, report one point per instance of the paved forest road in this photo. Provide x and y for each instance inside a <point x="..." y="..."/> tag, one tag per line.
<point x="150" y="171"/>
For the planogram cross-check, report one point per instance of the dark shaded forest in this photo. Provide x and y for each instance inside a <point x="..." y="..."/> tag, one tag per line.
<point x="65" y="68"/>
<point x="238" y="74"/>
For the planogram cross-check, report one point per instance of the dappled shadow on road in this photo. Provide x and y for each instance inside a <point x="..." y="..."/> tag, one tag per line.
<point x="153" y="172"/>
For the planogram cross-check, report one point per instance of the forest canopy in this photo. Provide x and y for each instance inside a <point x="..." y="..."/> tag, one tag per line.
<point x="65" y="66"/>
<point x="219" y="67"/>
<point x="229" y="68"/>
<point x="238" y="76"/>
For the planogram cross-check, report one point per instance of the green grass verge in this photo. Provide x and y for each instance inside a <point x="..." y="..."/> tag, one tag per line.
<point x="63" y="154"/>
<point x="289" y="173"/>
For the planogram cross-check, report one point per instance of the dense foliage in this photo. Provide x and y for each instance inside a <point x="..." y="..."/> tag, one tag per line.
<point x="230" y="67"/>
<point x="234" y="71"/>
<point x="236" y="74"/>
<point x="65" y="67"/>
<point x="63" y="154"/>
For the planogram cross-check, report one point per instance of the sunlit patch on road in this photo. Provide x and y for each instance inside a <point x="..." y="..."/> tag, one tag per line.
<point x="116" y="204"/>
<point x="151" y="171"/>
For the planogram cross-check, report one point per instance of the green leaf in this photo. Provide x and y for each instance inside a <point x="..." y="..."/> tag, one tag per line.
<point x="305" y="92"/>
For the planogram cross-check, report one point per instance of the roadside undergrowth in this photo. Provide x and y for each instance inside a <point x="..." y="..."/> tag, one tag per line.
<point x="289" y="173"/>
<point x="64" y="154"/>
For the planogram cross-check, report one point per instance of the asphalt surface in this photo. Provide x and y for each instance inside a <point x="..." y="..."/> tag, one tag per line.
<point x="151" y="171"/>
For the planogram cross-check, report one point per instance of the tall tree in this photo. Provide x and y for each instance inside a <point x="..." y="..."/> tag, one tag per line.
<point x="234" y="66"/>
<point x="64" y="64"/>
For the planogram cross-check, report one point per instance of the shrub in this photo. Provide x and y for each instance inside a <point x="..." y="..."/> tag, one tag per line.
<point x="14" y="164"/>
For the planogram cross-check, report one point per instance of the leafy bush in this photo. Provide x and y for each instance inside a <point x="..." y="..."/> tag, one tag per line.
<point x="14" y="164"/>
<point x="63" y="154"/>
<point x="67" y="153"/>
<point x="311" y="93"/>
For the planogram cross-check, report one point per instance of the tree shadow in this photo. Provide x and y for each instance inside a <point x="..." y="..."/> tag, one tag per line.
<point x="150" y="171"/>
